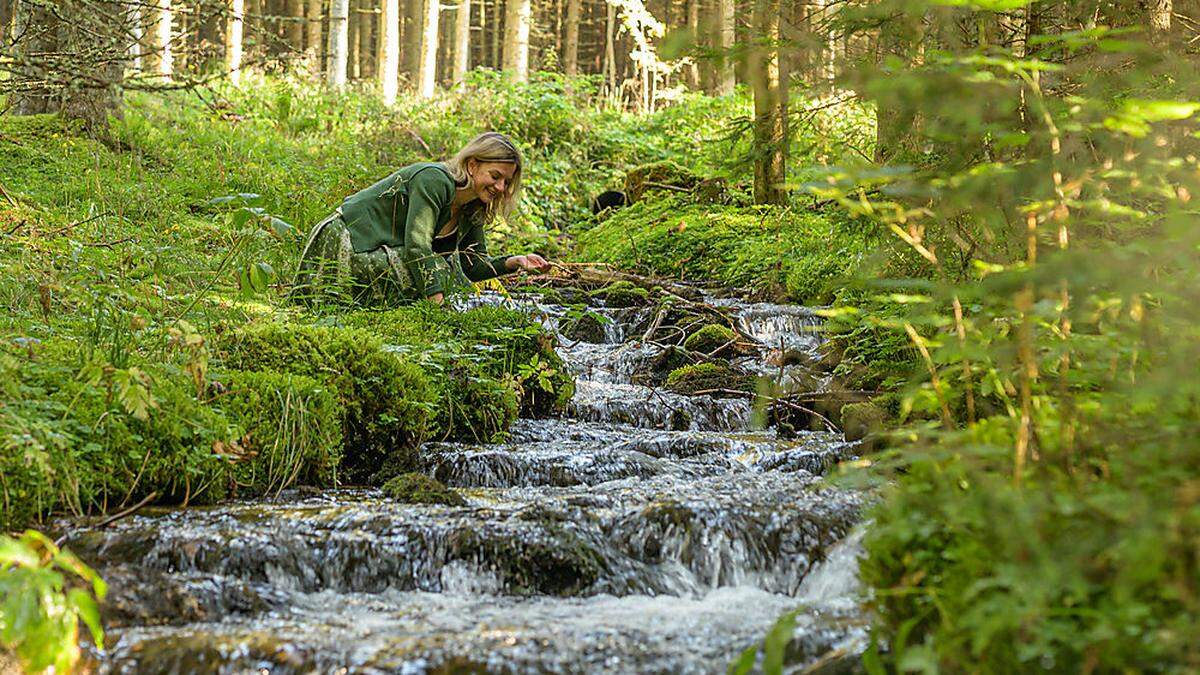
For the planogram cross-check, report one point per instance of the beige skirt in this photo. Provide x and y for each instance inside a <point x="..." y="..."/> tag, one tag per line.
<point x="330" y="269"/>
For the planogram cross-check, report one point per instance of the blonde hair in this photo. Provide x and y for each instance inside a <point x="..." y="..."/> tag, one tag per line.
<point x="490" y="146"/>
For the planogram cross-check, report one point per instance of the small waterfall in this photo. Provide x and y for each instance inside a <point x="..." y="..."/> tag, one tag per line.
<point x="646" y="531"/>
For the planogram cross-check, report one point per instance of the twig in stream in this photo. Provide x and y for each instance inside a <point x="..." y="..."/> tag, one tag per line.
<point x="658" y="319"/>
<point x="116" y="516"/>
<point x="829" y="426"/>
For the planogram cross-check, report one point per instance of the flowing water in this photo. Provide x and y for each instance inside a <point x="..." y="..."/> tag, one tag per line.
<point x="644" y="532"/>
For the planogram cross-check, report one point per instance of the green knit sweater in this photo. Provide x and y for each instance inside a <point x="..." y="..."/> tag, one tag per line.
<point x="405" y="210"/>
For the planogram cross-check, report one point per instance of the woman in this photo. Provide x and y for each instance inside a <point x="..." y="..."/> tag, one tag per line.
<point x="419" y="233"/>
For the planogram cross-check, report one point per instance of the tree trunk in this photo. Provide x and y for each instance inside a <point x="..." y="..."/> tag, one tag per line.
<point x="497" y="28"/>
<point x="357" y="26"/>
<point x="770" y="106"/>
<point x="411" y="56"/>
<point x="338" y="30"/>
<point x="294" y="26"/>
<point x="462" y="40"/>
<point x="726" y="33"/>
<point x="571" y="40"/>
<point x="233" y="40"/>
<point x="162" y="51"/>
<point x="68" y="61"/>
<point x="516" y="39"/>
<point x="610" y="48"/>
<point x="427" y="66"/>
<point x="896" y="117"/>
<point x="389" y="68"/>
<point x="313" y="20"/>
<point x="6" y="19"/>
<point x="1158" y="15"/>
<point x="692" y="72"/>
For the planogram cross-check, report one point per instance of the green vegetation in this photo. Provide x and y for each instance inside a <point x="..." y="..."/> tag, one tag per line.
<point x="417" y="488"/>
<point x="785" y="252"/>
<point x="622" y="294"/>
<point x="45" y="594"/>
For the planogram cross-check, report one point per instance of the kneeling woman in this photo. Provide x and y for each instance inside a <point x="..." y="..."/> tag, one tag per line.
<point x="420" y="232"/>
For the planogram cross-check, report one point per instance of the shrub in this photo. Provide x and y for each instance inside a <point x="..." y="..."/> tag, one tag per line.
<point x="293" y="429"/>
<point x="388" y="403"/>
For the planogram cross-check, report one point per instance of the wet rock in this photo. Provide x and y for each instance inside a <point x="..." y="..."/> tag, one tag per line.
<point x="148" y="597"/>
<point x="415" y="488"/>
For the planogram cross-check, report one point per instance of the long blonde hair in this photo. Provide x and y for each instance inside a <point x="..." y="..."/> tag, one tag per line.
<point x="490" y="146"/>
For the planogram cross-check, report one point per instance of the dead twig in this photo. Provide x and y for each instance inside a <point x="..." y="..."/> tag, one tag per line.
<point x="125" y="513"/>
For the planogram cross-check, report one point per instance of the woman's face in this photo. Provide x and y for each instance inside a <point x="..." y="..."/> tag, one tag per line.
<point x="490" y="179"/>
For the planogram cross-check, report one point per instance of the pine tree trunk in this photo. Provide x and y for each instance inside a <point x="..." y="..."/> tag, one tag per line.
<point x="294" y="26"/>
<point x="462" y="40"/>
<point x="427" y="66"/>
<point x="692" y="72"/>
<point x="233" y="40"/>
<point x="770" y="106"/>
<point x="356" y="29"/>
<point x="497" y="31"/>
<point x="6" y="15"/>
<point x="610" y="49"/>
<point x="571" y="40"/>
<point x="1158" y="15"/>
<point x="338" y="30"/>
<point x="313" y="20"/>
<point x="726" y="33"/>
<point x="389" y="68"/>
<point x="161" y="49"/>
<point x="516" y="39"/>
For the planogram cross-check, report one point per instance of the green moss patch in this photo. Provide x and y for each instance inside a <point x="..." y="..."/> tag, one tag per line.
<point x="387" y="401"/>
<point x="417" y="488"/>
<point x="710" y="338"/>
<point x="504" y="344"/>
<point x="709" y="378"/>
<point x="293" y="429"/>
<point x="622" y="294"/>
<point x="803" y="256"/>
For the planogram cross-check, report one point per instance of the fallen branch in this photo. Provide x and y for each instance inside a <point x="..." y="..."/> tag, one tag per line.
<point x="125" y="513"/>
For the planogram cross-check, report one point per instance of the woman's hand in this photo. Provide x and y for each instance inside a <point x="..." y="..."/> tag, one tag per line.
<point x="530" y="262"/>
<point x="436" y="298"/>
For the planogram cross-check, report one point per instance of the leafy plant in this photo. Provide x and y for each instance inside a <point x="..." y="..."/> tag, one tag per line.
<point x="45" y="593"/>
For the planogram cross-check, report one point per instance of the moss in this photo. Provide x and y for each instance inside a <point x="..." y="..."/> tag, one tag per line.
<point x="799" y="255"/>
<point x="709" y="339"/>
<point x="863" y="421"/>
<point x="700" y="377"/>
<point x="587" y="327"/>
<point x="387" y="401"/>
<point x="641" y="179"/>
<point x="293" y="429"/>
<point x="622" y="294"/>
<point x="505" y="344"/>
<point x="417" y="488"/>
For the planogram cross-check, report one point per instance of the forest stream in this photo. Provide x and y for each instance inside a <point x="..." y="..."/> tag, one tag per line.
<point x="645" y="531"/>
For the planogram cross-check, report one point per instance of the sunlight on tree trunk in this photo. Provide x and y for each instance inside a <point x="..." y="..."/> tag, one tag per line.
<point x="338" y="33"/>
<point x="516" y="39"/>
<point x="427" y="67"/>
<point x="162" y="32"/>
<point x="136" y="34"/>
<point x="610" y="52"/>
<point x="462" y="41"/>
<point x="389" y="68"/>
<point x="312" y="34"/>
<point x="233" y="40"/>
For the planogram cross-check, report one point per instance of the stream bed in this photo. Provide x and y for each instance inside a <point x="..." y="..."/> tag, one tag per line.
<point x="643" y="532"/>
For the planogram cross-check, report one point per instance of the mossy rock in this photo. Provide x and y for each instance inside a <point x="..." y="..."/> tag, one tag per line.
<point x="710" y="338"/>
<point x="293" y="429"/>
<point x="417" y="488"/>
<point x="862" y="420"/>
<point x="587" y="327"/>
<point x="622" y="294"/>
<point x="387" y="402"/>
<point x="504" y="343"/>
<point x="641" y="179"/>
<point x="705" y="377"/>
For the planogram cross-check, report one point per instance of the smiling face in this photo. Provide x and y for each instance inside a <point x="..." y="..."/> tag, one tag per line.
<point x="490" y="180"/>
